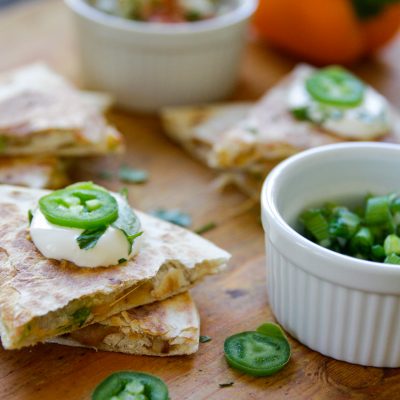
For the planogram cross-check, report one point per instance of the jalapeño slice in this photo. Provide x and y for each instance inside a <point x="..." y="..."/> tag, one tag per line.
<point x="131" y="385"/>
<point x="83" y="205"/>
<point x="259" y="353"/>
<point x="335" y="86"/>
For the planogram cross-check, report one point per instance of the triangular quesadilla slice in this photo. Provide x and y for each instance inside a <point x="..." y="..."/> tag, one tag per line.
<point x="165" y="328"/>
<point x="244" y="141"/>
<point x="42" y="298"/>
<point x="41" y="113"/>
<point x="35" y="172"/>
<point x="271" y="132"/>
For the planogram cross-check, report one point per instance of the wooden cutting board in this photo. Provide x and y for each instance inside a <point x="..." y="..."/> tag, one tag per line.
<point x="232" y="302"/>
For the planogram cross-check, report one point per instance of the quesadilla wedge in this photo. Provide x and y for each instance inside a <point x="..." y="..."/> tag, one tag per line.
<point x="41" y="113"/>
<point x="244" y="141"/>
<point x="270" y="131"/>
<point x="165" y="328"/>
<point x="42" y="298"/>
<point x="35" y="172"/>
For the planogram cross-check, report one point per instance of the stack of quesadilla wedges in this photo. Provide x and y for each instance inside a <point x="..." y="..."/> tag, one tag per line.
<point x="139" y="307"/>
<point x="244" y="141"/>
<point x="43" y="120"/>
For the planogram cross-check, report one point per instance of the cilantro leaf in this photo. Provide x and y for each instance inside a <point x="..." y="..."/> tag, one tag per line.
<point x="128" y="223"/>
<point x="124" y="193"/>
<point x="131" y="175"/>
<point x="227" y="384"/>
<point x="205" y="339"/>
<point x="106" y="175"/>
<point x="80" y="316"/>
<point x="205" y="228"/>
<point x="174" y="216"/>
<point x="122" y="260"/>
<point x="30" y="216"/>
<point x="89" y="238"/>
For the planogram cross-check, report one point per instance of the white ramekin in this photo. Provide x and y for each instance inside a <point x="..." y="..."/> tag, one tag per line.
<point x="343" y="307"/>
<point x="149" y="66"/>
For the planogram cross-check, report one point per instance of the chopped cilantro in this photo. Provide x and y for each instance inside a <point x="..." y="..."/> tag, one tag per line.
<point x="80" y="316"/>
<point x="128" y="223"/>
<point x="205" y="228"/>
<point x="205" y="339"/>
<point x="89" y="238"/>
<point x="174" y="216"/>
<point x="227" y="384"/>
<point x="252" y="130"/>
<point x="124" y="193"/>
<point x="131" y="175"/>
<point x="30" y="216"/>
<point x="106" y="175"/>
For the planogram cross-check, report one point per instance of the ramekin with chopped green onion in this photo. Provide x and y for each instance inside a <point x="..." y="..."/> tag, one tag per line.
<point x="337" y="296"/>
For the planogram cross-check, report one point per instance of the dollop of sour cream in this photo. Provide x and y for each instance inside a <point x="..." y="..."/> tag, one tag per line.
<point x="59" y="243"/>
<point x="369" y="120"/>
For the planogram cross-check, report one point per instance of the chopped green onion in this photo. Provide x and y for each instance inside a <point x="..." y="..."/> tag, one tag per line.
<point x="316" y="224"/>
<point x="370" y="232"/>
<point x="392" y="245"/>
<point x="377" y="210"/>
<point x="395" y="206"/>
<point x="392" y="259"/>
<point x="344" y="223"/>
<point x="378" y="252"/>
<point x="362" y="241"/>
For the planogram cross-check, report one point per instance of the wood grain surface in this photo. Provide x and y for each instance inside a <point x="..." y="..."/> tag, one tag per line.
<point x="229" y="303"/>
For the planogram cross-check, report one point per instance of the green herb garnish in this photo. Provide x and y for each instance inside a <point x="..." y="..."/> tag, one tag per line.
<point x="80" y="316"/>
<point x="205" y="339"/>
<point x="131" y="175"/>
<point x="106" y="175"/>
<point x="227" y="384"/>
<point x="128" y="223"/>
<point x="89" y="238"/>
<point x="124" y="193"/>
<point x="301" y="114"/>
<point x="368" y="232"/>
<point x="122" y="260"/>
<point x="30" y="216"/>
<point x="205" y="228"/>
<point x="174" y="216"/>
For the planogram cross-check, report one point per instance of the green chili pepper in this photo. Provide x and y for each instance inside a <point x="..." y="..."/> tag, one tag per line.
<point x="84" y="206"/>
<point x="131" y="385"/>
<point x="335" y="86"/>
<point x="259" y="353"/>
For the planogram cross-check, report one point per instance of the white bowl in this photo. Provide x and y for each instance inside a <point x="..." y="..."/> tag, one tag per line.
<point x="341" y="306"/>
<point x="147" y="66"/>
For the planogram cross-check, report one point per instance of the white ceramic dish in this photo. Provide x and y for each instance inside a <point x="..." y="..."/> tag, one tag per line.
<point x="147" y="66"/>
<point x="343" y="307"/>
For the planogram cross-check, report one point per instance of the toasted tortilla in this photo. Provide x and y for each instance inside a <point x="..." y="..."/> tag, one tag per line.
<point x="165" y="328"/>
<point x="34" y="172"/>
<point x="245" y="141"/>
<point x="41" y="113"/>
<point x="41" y="298"/>
<point x="200" y="128"/>
<point x="270" y="132"/>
